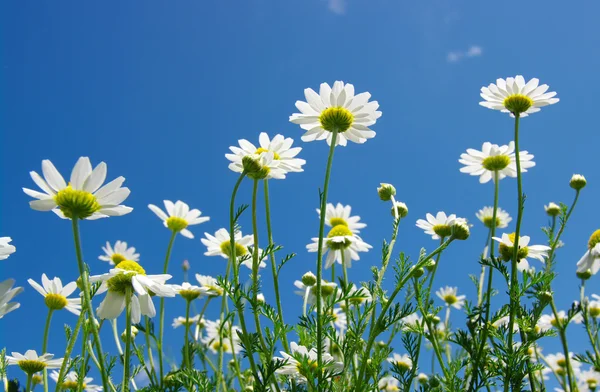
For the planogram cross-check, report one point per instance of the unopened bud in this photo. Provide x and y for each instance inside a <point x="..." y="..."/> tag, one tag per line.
<point x="552" y="209"/>
<point x="134" y="332"/>
<point x="460" y="229"/>
<point x="185" y="266"/>
<point x="386" y="191"/>
<point x="578" y="182"/>
<point x="309" y="279"/>
<point x="401" y="209"/>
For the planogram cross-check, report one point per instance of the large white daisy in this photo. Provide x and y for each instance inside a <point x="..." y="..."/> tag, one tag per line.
<point x="114" y="255"/>
<point x="486" y="216"/>
<point x="301" y="359"/>
<point x="31" y="363"/>
<point x="337" y="109"/>
<point x="7" y="292"/>
<point x="506" y="249"/>
<point x="438" y="226"/>
<point x="220" y="245"/>
<point x="6" y="249"/>
<point x="494" y="158"/>
<point x="515" y="96"/>
<point x="340" y="243"/>
<point x="340" y="215"/>
<point x="56" y="296"/>
<point x="179" y="216"/>
<point x="71" y="382"/>
<point x="83" y="197"/>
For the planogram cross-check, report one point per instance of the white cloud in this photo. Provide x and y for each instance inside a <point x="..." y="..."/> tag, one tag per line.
<point x="456" y="56"/>
<point x="474" y="51"/>
<point x="337" y="6"/>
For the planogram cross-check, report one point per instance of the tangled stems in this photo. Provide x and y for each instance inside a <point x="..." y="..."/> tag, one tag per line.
<point x="87" y="301"/>
<point x="45" y="346"/>
<point x="320" y="255"/>
<point x="125" y="384"/>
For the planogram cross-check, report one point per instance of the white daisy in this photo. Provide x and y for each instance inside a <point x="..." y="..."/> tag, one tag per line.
<point x="486" y="216"/>
<point x="402" y="361"/>
<point x="180" y="321"/>
<point x="7" y="292"/>
<point x="439" y="226"/>
<point x="30" y="363"/>
<point x="83" y="197"/>
<point x="539" y="252"/>
<point x="340" y="239"/>
<point x="339" y="318"/>
<point x="588" y="380"/>
<point x="590" y="261"/>
<point x="549" y="321"/>
<point x="411" y="321"/>
<point x="6" y="249"/>
<point x="336" y="109"/>
<point x="361" y="295"/>
<point x="340" y="215"/>
<point x="388" y="384"/>
<point x="503" y="322"/>
<point x="327" y="289"/>
<point x="552" y="209"/>
<point x="210" y="285"/>
<point x="280" y="147"/>
<point x="220" y="245"/>
<point x="114" y="255"/>
<point x="230" y="341"/>
<point x="515" y="96"/>
<point x="300" y="363"/>
<point x="494" y="158"/>
<point x="594" y="306"/>
<point x="450" y="296"/>
<point x="179" y="217"/>
<point x="56" y="296"/>
<point x="71" y="382"/>
<point x="129" y="276"/>
<point x="189" y="291"/>
<point x="557" y="364"/>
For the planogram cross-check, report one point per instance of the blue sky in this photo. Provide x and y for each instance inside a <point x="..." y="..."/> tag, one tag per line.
<point x="159" y="91"/>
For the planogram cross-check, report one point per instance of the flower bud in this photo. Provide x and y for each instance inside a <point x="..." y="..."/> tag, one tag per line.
<point x="417" y="273"/>
<point x="460" y="229"/>
<point x="401" y="209"/>
<point x="260" y="297"/>
<point x="386" y="191"/>
<point x="552" y="209"/>
<point x="545" y="295"/>
<point x="185" y="266"/>
<point x="309" y="279"/>
<point x="584" y="275"/>
<point x="578" y="182"/>
<point x="134" y="332"/>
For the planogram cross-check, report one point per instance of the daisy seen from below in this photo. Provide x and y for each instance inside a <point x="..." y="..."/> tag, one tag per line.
<point x="181" y="321"/>
<point x="279" y="146"/>
<point x="309" y="292"/>
<point x="539" y="252"/>
<point x="31" y="363"/>
<point x="388" y="384"/>
<point x="340" y="215"/>
<point x="450" y="296"/>
<point x="486" y="216"/>
<point x="228" y="343"/>
<point x="188" y="291"/>
<point x="301" y="362"/>
<point x="336" y="109"/>
<point x="494" y="159"/>
<point x="83" y="197"/>
<point x="556" y="363"/>
<point x="219" y="244"/>
<point x="115" y="254"/>
<point x="341" y="246"/>
<point x="178" y="217"/>
<point x="210" y="285"/>
<point x="590" y="261"/>
<point x="549" y="321"/>
<point x="588" y="380"/>
<point x="401" y="361"/>
<point x="438" y="226"/>
<point x="56" y="296"/>
<point x="516" y="96"/>
<point x="128" y="277"/>
<point x="71" y="382"/>
<point x="6" y="249"/>
<point x="7" y="292"/>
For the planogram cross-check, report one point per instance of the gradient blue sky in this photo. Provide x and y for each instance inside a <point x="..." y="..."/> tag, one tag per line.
<point x="160" y="90"/>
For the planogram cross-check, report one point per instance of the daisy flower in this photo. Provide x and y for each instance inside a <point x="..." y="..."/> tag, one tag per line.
<point x="594" y="306"/>
<point x="181" y="322"/>
<point x="339" y="318"/>
<point x="388" y="384"/>
<point x="549" y="321"/>
<point x="590" y="261"/>
<point x="230" y="341"/>
<point x="361" y="295"/>
<point x="340" y="215"/>
<point x="114" y="255"/>
<point x="7" y="292"/>
<point x="220" y="245"/>
<point x="30" y="363"/>
<point x="552" y="209"/>
<point x="588" y="380"/>
<point x="556" y="363"/>
<point x="515" y="96"/>
<point x="6" y="249"/>
<point x="486" y="216"/>
<point x="56" y="296"/>
<point x="539" y="252"/>
<point x="83" y="197"/>
<point x="450" y="296"/>
<point x="188" y="291"/>
<point x="503" y="322"/>
<point x="210" y="285"/>
<point x="301" y="362"/>
<point x="129" y="277"/>
<point x="413" y="320"/>
<point x="71" y="382"/>
<point x="577" y="182"/>
<point x="439" y="226"/>
<point x="402" y="361"/>
<point x="310" y="291"/>
<point x="340" y="245"/>
<point x="179" y="217"/>
<point x="494" y="159"/>
<point x="280" y="147"/>
<point x="336" y="109"/>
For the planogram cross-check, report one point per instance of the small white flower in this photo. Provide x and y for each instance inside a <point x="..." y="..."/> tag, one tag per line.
<point x="413" y="320"/>
<point x="539" y="252"/>
<point x="83" y="197"/>
<point x="339" y="318"/>
<point x="513" y="95"/>
<point x="494" y="158"/>
<point x="301" y="356"/>
<point x="6" y="249"/>
<point x="557" y="363"/>
<point x="388" y="384"/>
<point x="114" y="255"/>
<point x="71" y="382"/>
<point x="590" y="261"/>
<point x="210" y="285"/>
<point x="6" y="294"/>
<point x="486" y="216"/>
<point x="594" y="306"/>
<point x="548" y="321"/>
<point x="402" y="361"/>
<point x="361" y="295"/>
<point x="189" y="291"/>
<point x="179" y="217"/>
<point x="180" y="321"/>
<point x="450" y="296"/>
<point x="340" y="243"/>
<point x="336" y="109"/>
<point x="230" y="341"/>
<point x="439" y="226"/>
<point x="588" y="380"/>
<point x="340" y="215"/>
<point x="56" y="296"/>
<point x="503" y="322"/>
<point x="30" y="362"/>
<point x="552" y="209"/>
<point x="220" y="245"/>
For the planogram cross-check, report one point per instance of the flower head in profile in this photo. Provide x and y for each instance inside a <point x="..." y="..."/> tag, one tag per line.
<point x="590" y="261"/>
<point x="220" y="245"/>
<point x="31" y="363"/>
<point x="506" y="249"/>
<point x="439" y="226"/>
<point x="179" y="217"/>
<point x="71" y="382"/>
<point x="7" y="292"/>
<point x="340" y="215"/>
<point x="359" y="296"/>
<point x="401" y="361"/>
<point x="339" y="318"/>
<point x="114" y="255"/>
<point x="486" y="216"/>
<point x="188" y="291"/>
<point x="228" y="343"/>
<point x="181" y="321"/>
<point x="310" y="291"/>
<point x="341" y="245"/>
<point x="589" y="380"/>
<point x="552" y="209"/>
<point x="301" y="363"/>
<point x="494" y="159"/>
<point x="556" y="363"/>
<point x="578" y="182"/>
<point x="129" y="278"/>
<point x="388" y="384"/>
<point x="210" y="285"/>
<point x="336" y="109"/>
<point x="6" y="249"/>
<point x="83" y="197"/>
<point x="450" y="296"/>
<point x="517" y="97"/>
<point x="56" y="296"/>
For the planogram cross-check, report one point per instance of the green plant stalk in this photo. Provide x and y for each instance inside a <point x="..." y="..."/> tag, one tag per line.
<point x="87" y="300"/>
<point x="320" y="257"/>
<point x="29" y="377"/>
<point x="562" y="333"/>
<point x="90" y="351"/>
<point x="125" y="384"/>
<point x="45" y="345"/>
<point x="161" y="316"/>
<point x="185" y="337"/>
<point x="70" y="345"/>
<point x="201" y="314"/>
<point x="561" y="230"/>
<point x="149" y="348"/>
<point x="84" y="362"/>
<point x="488" y="243"/>
<point x="255" y="265"/>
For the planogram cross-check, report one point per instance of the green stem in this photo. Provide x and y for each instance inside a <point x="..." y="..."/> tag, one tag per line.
<point x="255" y="265"/>
<point x="320" y="256"/>
<point x="185" y="337"/>
<point x="70" y="345"/>
<point x="562" y="333"/>
<point x="197" y="329"/>
<point x="85" y="360"/>
<point x="45" y="345"/>
<point x="125" y="384"/>
<point x="561" y="230"/>
<point x="149" y="348"/>
<point x="87" y="300"/>
<point x="29" y="378"/>
<point x="161" y="321"/>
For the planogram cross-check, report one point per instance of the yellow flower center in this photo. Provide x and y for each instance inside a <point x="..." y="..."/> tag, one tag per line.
<point x="56" y="301"/>
<point x="122" y="282"/>
<point x="260" y="150"/>
<point x="496" y="162"/>
<point x="216" y="345"/>
<point x="189" y="295"/>
<point x="442" y="230"/>
<point x="339" y="231"/>
<point x="450" y="299"/>
<point x="312" y="366"/>
<point x="594" y="311"/>
<point x="507" y="251"/>
<point x="31" y="366"/>
<point x="69" y="384"/>
<point x="487" y="221"/>
<point x="561" y="362"/>
<point x="517" y="103"/>
<point x="594" y="239"/>
<point x="240" y="250"/>
<point x="403" y="365"/>
<point x="37" y="379"/>
<point x="117" y="258"/>
<point x="216" y="290"/>
<point x="338" y="221"/>
<point x="336" y="118"/>
<point x="75" y="203"/>
<point x="176" y="223"/>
